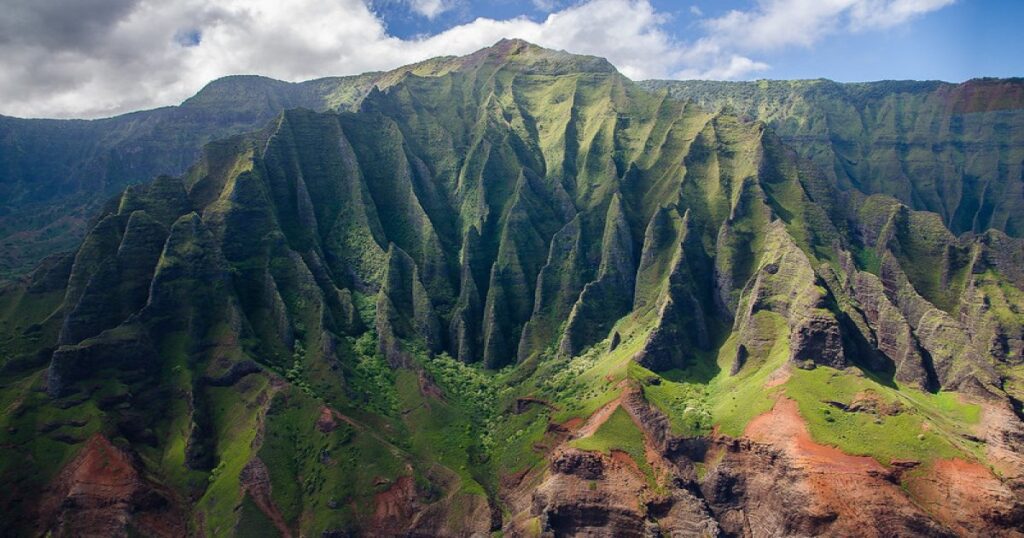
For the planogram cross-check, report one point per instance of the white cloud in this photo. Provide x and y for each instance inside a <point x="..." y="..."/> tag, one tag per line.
<point x="112" y="56"/>
<point x="430" y="8"/>
<point x="723" y="53"/>
<point x="883" y="14"/>
<point x="732" y="68"/>
<point x="775" y="24"/>
<point x="545" y="5"/>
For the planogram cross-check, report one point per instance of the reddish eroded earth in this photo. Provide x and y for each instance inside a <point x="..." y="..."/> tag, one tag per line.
<point x="784" y="428"/>
<point x="968" y="498"/>
<point x="595" y="494"/>
<point x="982" y="96"/>
<point x="101" y="493"/>
<point x="330" y="419"/>
<point x="255" y="481"/>
<point x="394" y="506"/>
<point x="1003" y="431"/>
<point x="777" y="481"/>
<point x="839" y="494"/>
<point x="326" y="423"/>
<point x="586" y="494"/>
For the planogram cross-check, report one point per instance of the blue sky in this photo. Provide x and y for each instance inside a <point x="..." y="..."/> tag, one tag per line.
<point x="959" y="41"/>
<point x="105" y="57"/>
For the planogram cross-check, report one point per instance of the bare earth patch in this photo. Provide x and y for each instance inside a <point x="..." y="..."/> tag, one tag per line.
<point x="966" y="497"/>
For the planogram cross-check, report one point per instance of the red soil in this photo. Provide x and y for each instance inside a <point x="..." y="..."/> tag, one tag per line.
<point x="785" y="428"/>
<point x="101" y="493"/>
<point x="852" y="490"/>
<point x="965" y="496"/>
<point x="394" y="506"/>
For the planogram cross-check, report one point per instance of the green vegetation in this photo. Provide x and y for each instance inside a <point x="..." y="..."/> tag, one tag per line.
<point x="440" y="431"/>
<point x="685" y="403"/>
<point x="908" y="424"/>
<point x="372" y="383"/>
<point x="736" y="400"/>
<point x="620" y="433"/>
<point x="324" y="478"/>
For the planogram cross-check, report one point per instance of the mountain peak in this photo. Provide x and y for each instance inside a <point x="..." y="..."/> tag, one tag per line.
<point x="515" y="54"/>
<point x="526" y="56"/>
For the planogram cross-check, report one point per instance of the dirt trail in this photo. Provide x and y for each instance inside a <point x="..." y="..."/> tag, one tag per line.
<point x="779" y="376"/>
<point x="255" y="480"/>
<point x="594" y="422"/>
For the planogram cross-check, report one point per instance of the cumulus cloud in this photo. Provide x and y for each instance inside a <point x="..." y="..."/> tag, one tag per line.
<point x="92" y="58"/>
<point x="431" y="8"/>
<point x="545" y="5"/>
<point x="774" y="24"/>
<point x="730" y="39"/>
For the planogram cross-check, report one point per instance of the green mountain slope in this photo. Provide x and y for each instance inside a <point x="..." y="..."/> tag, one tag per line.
<point x="952" y="149"/>
<point x="514" y="292"/>
<point x="55" y="174"/>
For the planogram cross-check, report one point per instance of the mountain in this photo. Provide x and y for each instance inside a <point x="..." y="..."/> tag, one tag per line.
<point x="951" y="149"/>
<point x="517" y="292"/>
<point x="55" y="174"/>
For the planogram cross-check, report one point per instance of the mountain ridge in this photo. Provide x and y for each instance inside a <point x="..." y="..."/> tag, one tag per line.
<point x="107" y="154"/>
<point x="517" y="297"/>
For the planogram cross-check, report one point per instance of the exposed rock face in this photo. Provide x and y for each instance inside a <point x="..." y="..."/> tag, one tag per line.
<point x="891" y="335"/>
<point x="130" y="350"/>
<point x="786" y="284"/>
<point x="779" y="482"/>
<point x="1004" y="440"/>
<point x="101" y="493"/>
<point x="773" y="481"/>
<point x="968" y="499"/>
<point x="851" y="133"/>
<point x="682" y="325"/>
<point x="612" y="504"/>
<point x="118" y="288"/>
<point x="586" y="465"/>
<point x="605" y="300"/>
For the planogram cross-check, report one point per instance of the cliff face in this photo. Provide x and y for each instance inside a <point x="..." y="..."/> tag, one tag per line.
<point x="951" y="149"/>
<point x="56" y="174"/>
<point x="517" y="291"/>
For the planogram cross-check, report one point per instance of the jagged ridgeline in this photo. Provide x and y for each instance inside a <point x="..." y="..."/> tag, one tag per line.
<point x="462" y="307"/>
<point x="952" y="149"/>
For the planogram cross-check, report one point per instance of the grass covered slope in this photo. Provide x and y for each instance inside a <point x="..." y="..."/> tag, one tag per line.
<point x="952" y="149"/>
<point x="453" y="309"/>
<point x="56" y="174"/>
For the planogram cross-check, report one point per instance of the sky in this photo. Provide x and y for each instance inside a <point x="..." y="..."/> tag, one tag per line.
<point x="97" y="58"/>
